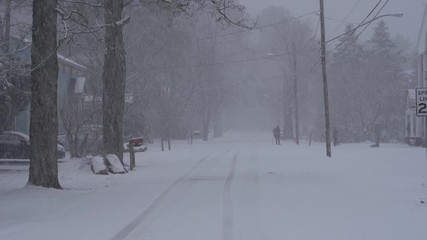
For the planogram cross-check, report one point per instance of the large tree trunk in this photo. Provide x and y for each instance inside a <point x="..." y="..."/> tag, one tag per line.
<point x="217" y="125"/>
<point x="205" y="124"/>
<point x="7" y="26"/>
<point x="10" y="122"/>
<point x="114" y="79"/>
<point x="44" y="81"/>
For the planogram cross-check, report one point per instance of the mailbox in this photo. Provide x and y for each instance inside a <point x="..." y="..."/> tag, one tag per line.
<point x="136" y="142"/>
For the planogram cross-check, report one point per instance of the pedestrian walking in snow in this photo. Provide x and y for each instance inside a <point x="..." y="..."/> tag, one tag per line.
<point x="335" y="136"/>
<point x="276" y="134"/>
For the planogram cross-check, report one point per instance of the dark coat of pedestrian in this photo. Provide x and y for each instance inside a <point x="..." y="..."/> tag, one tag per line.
<point x="276" y="134"/>
<point x="335" y="136"/>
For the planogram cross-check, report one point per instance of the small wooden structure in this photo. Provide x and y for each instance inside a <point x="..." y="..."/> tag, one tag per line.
<point x="134" y="142"/>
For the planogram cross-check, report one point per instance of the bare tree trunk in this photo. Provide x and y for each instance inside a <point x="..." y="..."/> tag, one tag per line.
<point x="205" y="126"/>
<point x="1" y="30"/>
<point x="114" y="79"/>
<point x="162" y="143"/>
<point x="6" y="35"/>
<point x="295" y="67"/>
<point x="217" y="130"/>
<point x="287" y="118"/>
<point x="217" y="124"/>
<point x="44" y="81"/>
<point x="7" y="27"/>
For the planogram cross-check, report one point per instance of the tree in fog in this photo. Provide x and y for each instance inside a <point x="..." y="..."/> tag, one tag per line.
<point x="292" y="47"/>
<point x="348" y="82"/>
<point x="367" y="86"/>
<point x="160" y="73"/>
<point x="386" y="80"/>
<point x="114" y="75"/>
<point x="115" y="65"/>
<point x="14" y="67"/>
<point x="44" y="81"/>
<point x="81" y="37"/>
<point x="208" y="76"/>
<point x="114" y="78"/>
<point x="14" y="88"/>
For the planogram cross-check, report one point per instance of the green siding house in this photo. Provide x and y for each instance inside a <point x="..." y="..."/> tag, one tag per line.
<point x="68" y="70"/>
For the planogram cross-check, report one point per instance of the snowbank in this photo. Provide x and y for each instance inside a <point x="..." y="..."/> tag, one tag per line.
<point x="114" y="164"/>
<point x="98" y="165"/>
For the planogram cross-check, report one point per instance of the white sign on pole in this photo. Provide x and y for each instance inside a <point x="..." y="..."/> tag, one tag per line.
<point x="421" y="101"/>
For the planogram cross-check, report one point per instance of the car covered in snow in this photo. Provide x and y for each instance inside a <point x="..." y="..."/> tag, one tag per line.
<point x="16" y="145"/>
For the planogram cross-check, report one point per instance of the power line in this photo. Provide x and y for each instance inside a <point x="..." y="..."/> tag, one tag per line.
<point x="232" y="61"/>
<point x="339" y="20"/>
<point x="354" y="29"/>
<point x="345" y="18"/>
<point x="248" y="30"/>
<point x="376" y="15"/>
<point x="351" y="32"/>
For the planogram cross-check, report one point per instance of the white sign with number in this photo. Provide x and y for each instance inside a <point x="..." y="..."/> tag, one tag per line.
<point x="421" y="98"/>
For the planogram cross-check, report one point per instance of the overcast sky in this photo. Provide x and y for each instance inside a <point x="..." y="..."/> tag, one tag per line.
<point x="408" y="25"/>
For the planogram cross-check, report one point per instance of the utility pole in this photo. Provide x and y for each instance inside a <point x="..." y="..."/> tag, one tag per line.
<point x="325" y="81"/>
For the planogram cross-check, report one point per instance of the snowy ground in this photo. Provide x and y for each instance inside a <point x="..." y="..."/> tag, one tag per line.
<point x="237" y="187"/>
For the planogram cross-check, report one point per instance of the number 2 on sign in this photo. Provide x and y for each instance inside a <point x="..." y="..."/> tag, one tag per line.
<point x="423" y="107"/>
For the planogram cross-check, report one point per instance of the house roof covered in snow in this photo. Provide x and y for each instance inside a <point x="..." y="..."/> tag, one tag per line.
<point x="61" y="58"/>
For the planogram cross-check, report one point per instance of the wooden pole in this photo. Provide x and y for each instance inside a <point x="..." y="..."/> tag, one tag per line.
<point x="131" y="155"/>
<point x="325" y="81"/>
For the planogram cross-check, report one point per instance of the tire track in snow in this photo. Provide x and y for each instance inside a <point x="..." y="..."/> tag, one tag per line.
<point x="252" y="218"/>
<point x="228" y="212"/>
<point x="137" y="221"/>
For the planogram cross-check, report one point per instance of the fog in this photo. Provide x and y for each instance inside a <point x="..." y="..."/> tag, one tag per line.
<point x="353" y="11"/>
<point x="196" y="119"/>
<point x="199" y="71"/>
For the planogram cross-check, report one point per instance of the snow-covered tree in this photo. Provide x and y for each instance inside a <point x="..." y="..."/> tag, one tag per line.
<point x="385" y="78"/>
<point x="14" y="67"/>
<point x="292" y="48"/>
<point x="348" y="82"/>
<point x="367" y="86"/>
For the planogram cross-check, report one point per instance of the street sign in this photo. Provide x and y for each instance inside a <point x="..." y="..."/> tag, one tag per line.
<point x="421" y="102"/>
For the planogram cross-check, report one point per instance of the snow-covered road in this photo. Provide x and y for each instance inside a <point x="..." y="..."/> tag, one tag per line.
<point x="239" y="187"/>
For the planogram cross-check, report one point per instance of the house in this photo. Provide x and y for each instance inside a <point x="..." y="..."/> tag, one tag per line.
<point x="413" y="136"/>
<point x="69" y="71"/>
<point x="415" y="126"/>
<point x="70" y="74"/>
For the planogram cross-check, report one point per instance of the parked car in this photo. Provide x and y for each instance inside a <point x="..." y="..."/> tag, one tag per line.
<point x="197" y="134"/>
<point x="17" y="145"/>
